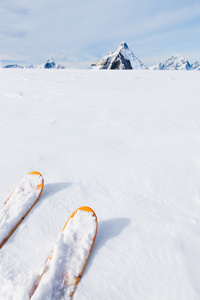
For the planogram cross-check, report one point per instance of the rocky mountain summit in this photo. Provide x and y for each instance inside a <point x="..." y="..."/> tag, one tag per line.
<point x="50" y="64"/>
<point x="121" y="59"/>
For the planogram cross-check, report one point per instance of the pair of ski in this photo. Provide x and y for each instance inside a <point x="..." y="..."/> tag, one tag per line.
<point x="65" y="265"/>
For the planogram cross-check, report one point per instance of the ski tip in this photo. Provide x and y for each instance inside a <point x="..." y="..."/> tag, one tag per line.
<point x="85" y="210"/>
<point x="40" y="186"/>
<point x="35" y="173"/>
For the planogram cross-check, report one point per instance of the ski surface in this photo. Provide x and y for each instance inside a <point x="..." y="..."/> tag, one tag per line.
<point x="68" y="259"/>
<point x="18" y="205"/>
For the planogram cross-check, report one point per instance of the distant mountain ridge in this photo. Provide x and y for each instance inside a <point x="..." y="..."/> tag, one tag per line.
<point x="13" y="66"/>
<point x="50" y="64"/>
<point x="175" y="62"/>
<point x="121" y="59"/>
<point x="196" y="65"/>
<point x="124" y="58"/>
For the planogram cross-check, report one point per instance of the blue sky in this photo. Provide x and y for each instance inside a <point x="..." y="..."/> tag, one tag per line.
<point x="79" y="32"/>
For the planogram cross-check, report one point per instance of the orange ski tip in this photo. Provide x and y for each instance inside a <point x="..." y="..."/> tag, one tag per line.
<point x="40" y="186"/>
<point x="82" y="208"/>
<point x="86" y="208"/>
<point x="35" y="173"/>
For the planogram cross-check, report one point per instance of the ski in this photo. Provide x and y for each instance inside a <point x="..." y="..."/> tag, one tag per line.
<point x="19" y="204"/>
<point x="65" y="265"/>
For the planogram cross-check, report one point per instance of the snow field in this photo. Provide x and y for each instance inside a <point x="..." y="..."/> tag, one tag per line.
<point x="125" y="143"/>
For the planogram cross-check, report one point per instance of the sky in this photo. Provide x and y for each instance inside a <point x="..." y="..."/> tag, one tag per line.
<point x="79" y="32"/>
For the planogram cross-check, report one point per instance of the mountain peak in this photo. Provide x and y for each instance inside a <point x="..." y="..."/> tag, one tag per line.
<point x="121" y="59"/>
<point x="124" y="45"/>
<point x="50" y="60"/>
<point x="49" y="64"/>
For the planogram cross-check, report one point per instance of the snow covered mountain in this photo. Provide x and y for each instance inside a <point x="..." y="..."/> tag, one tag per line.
<point x="50" y="64"/>
<point x="176" y="62"/>
<point x="196" y="65"/>
<point x="14" y="66"/>
<point x="122" y="58"/>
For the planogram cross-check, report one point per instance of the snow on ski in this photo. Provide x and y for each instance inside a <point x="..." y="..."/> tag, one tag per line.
<point x="69" y="257"/>
<point x="18" y="205"/>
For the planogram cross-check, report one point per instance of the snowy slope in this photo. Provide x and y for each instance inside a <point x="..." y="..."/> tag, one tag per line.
<point x="127" y="144"/>
<point x="122" y="58"/>
<point x="176" y="62"/>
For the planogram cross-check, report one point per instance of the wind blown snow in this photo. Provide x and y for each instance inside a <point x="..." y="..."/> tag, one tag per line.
<point x="125" y="143"/>
<point x="68" y="258"/>
<point x="21" y="200"/>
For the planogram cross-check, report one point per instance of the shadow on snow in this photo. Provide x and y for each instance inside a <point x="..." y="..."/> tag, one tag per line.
<point x="53" y="188"/>
<point x="107" y="230"/>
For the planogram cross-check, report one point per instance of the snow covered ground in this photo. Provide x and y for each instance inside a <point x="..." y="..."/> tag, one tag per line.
<point x="125" y="143"/>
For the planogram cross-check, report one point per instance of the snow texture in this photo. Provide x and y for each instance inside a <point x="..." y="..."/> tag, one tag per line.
<point x="126" y="144"/>
<point x="69" y="256"/>
<point x="22" y="199"/>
